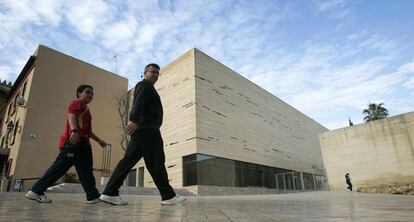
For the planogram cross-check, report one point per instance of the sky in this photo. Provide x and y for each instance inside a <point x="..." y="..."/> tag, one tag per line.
<point x="328" y="59"/>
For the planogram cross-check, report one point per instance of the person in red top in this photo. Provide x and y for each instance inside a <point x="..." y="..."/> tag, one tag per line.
<point x="83" y="118"/>
<point x="75" y="149"/>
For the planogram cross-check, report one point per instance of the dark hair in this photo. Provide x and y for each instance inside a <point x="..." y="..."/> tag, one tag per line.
<point x="82" y="88"/>
<point x="151" y="65"/>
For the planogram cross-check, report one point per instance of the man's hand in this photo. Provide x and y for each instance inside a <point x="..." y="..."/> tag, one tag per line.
<point x="130" y="129"/>
<point x="102" y="143"/>
<point x="74" y="138"/>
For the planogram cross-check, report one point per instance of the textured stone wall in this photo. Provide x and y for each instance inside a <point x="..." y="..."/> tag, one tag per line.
<point x="379" y="155"/>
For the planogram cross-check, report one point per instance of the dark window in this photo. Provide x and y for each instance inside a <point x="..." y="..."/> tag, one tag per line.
<point x="141" y="177"/>
<point x="10" y="109"/>
<point x="289" y="181"/>
<point x="15" y="132"/>
<point x="8" y="169"/>
<point x="190" y="170"/>
<point x="132" y="178"/>
<point x="15" y="99"/>
<point x="24" y="89"/>
<point x="200" y="169"/>
<point x="308" y="181"/>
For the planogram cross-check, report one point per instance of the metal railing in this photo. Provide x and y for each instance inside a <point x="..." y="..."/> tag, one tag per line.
<point x="19" y="183"/>
<point x="106" y="161"/>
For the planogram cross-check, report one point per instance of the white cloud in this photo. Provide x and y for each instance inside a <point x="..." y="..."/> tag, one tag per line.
<point x="146" y="35"/>
<point x="328" y="71"/>
<point x="48" y="11"/>
<point x="5" y="73"/>
<point x="326" y="5"/>
<point x="335" y="9"/>
<point x="123" y="31"/>
<point x="88" y="16"/>
<point x="17" y="14"/>
<point x="407" y="67"/>
<point x="409" y="84"/>
<point x="333" y="77"/>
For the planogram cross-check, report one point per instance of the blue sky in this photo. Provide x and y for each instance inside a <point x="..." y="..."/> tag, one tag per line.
<point x="328" y="59"/>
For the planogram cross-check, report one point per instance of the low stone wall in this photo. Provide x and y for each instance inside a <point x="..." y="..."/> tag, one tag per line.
<point x="203" y="190"/>
<point x="127" y="190"/>
<point x="394" y="188"/>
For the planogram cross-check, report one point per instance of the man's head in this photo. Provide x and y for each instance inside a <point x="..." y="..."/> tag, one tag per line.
<point x="85" y="93"/>
<point x="151" y="72"/>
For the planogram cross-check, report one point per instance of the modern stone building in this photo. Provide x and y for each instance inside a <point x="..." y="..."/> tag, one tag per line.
<point x="36" y="113"/>
<point x="220" y="129"/>
<point x="379" y="155"/>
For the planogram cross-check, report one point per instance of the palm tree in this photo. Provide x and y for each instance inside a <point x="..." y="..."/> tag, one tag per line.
<point x="374" y="112"/>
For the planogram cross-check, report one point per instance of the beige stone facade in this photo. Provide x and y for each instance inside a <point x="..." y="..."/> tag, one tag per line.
<point x="237" y="119"/>
<point x="378" y="155"/>
<point x="211" y="110"/>
<point x="47" y="85"/>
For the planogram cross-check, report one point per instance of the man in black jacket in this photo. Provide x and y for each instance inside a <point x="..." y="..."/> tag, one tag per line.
<point x="146" y="141"/>
<point x="348" y="181"/>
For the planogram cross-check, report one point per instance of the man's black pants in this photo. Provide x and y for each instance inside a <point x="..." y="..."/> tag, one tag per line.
<point x="349" y="185"/>
<point x="145" y="143"/>
<point x="83" y="161"/>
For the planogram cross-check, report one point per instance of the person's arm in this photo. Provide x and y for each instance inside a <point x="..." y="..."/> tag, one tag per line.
<point x="141" y="99"/>
<point x="74" y="136"/>
<point x="98" y="140"/>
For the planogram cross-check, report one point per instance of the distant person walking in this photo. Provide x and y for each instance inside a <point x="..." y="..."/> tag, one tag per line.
<point x="348" y="181"/>
<point x="75" y="149"/>
<point x="146" y="141"/>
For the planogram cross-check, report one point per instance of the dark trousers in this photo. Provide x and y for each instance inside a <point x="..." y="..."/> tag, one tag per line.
<point x="349" y="185"/>
<point x="83" y="163"/>
<point x="145" y="143"/>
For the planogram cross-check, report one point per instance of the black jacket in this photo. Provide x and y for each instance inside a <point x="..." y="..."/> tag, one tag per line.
<point x="146" y="109"/>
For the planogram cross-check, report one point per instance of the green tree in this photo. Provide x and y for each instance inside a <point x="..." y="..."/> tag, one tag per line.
<point x="374" y="112"/>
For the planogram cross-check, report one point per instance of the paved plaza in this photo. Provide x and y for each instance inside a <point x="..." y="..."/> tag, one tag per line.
<point x="310" y="206"/>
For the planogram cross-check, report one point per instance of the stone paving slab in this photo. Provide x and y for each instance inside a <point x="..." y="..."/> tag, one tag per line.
<point x="310" y="206"/>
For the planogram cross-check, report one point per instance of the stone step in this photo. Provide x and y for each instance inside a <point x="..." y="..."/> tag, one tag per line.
<point x="77" y="188"/>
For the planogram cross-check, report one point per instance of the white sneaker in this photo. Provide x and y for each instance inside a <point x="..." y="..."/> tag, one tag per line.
<point x="115" y="200"/>
<point x="36" y="197"/>
<point x="175" y="200"/>
<point x="94" y="201"/>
